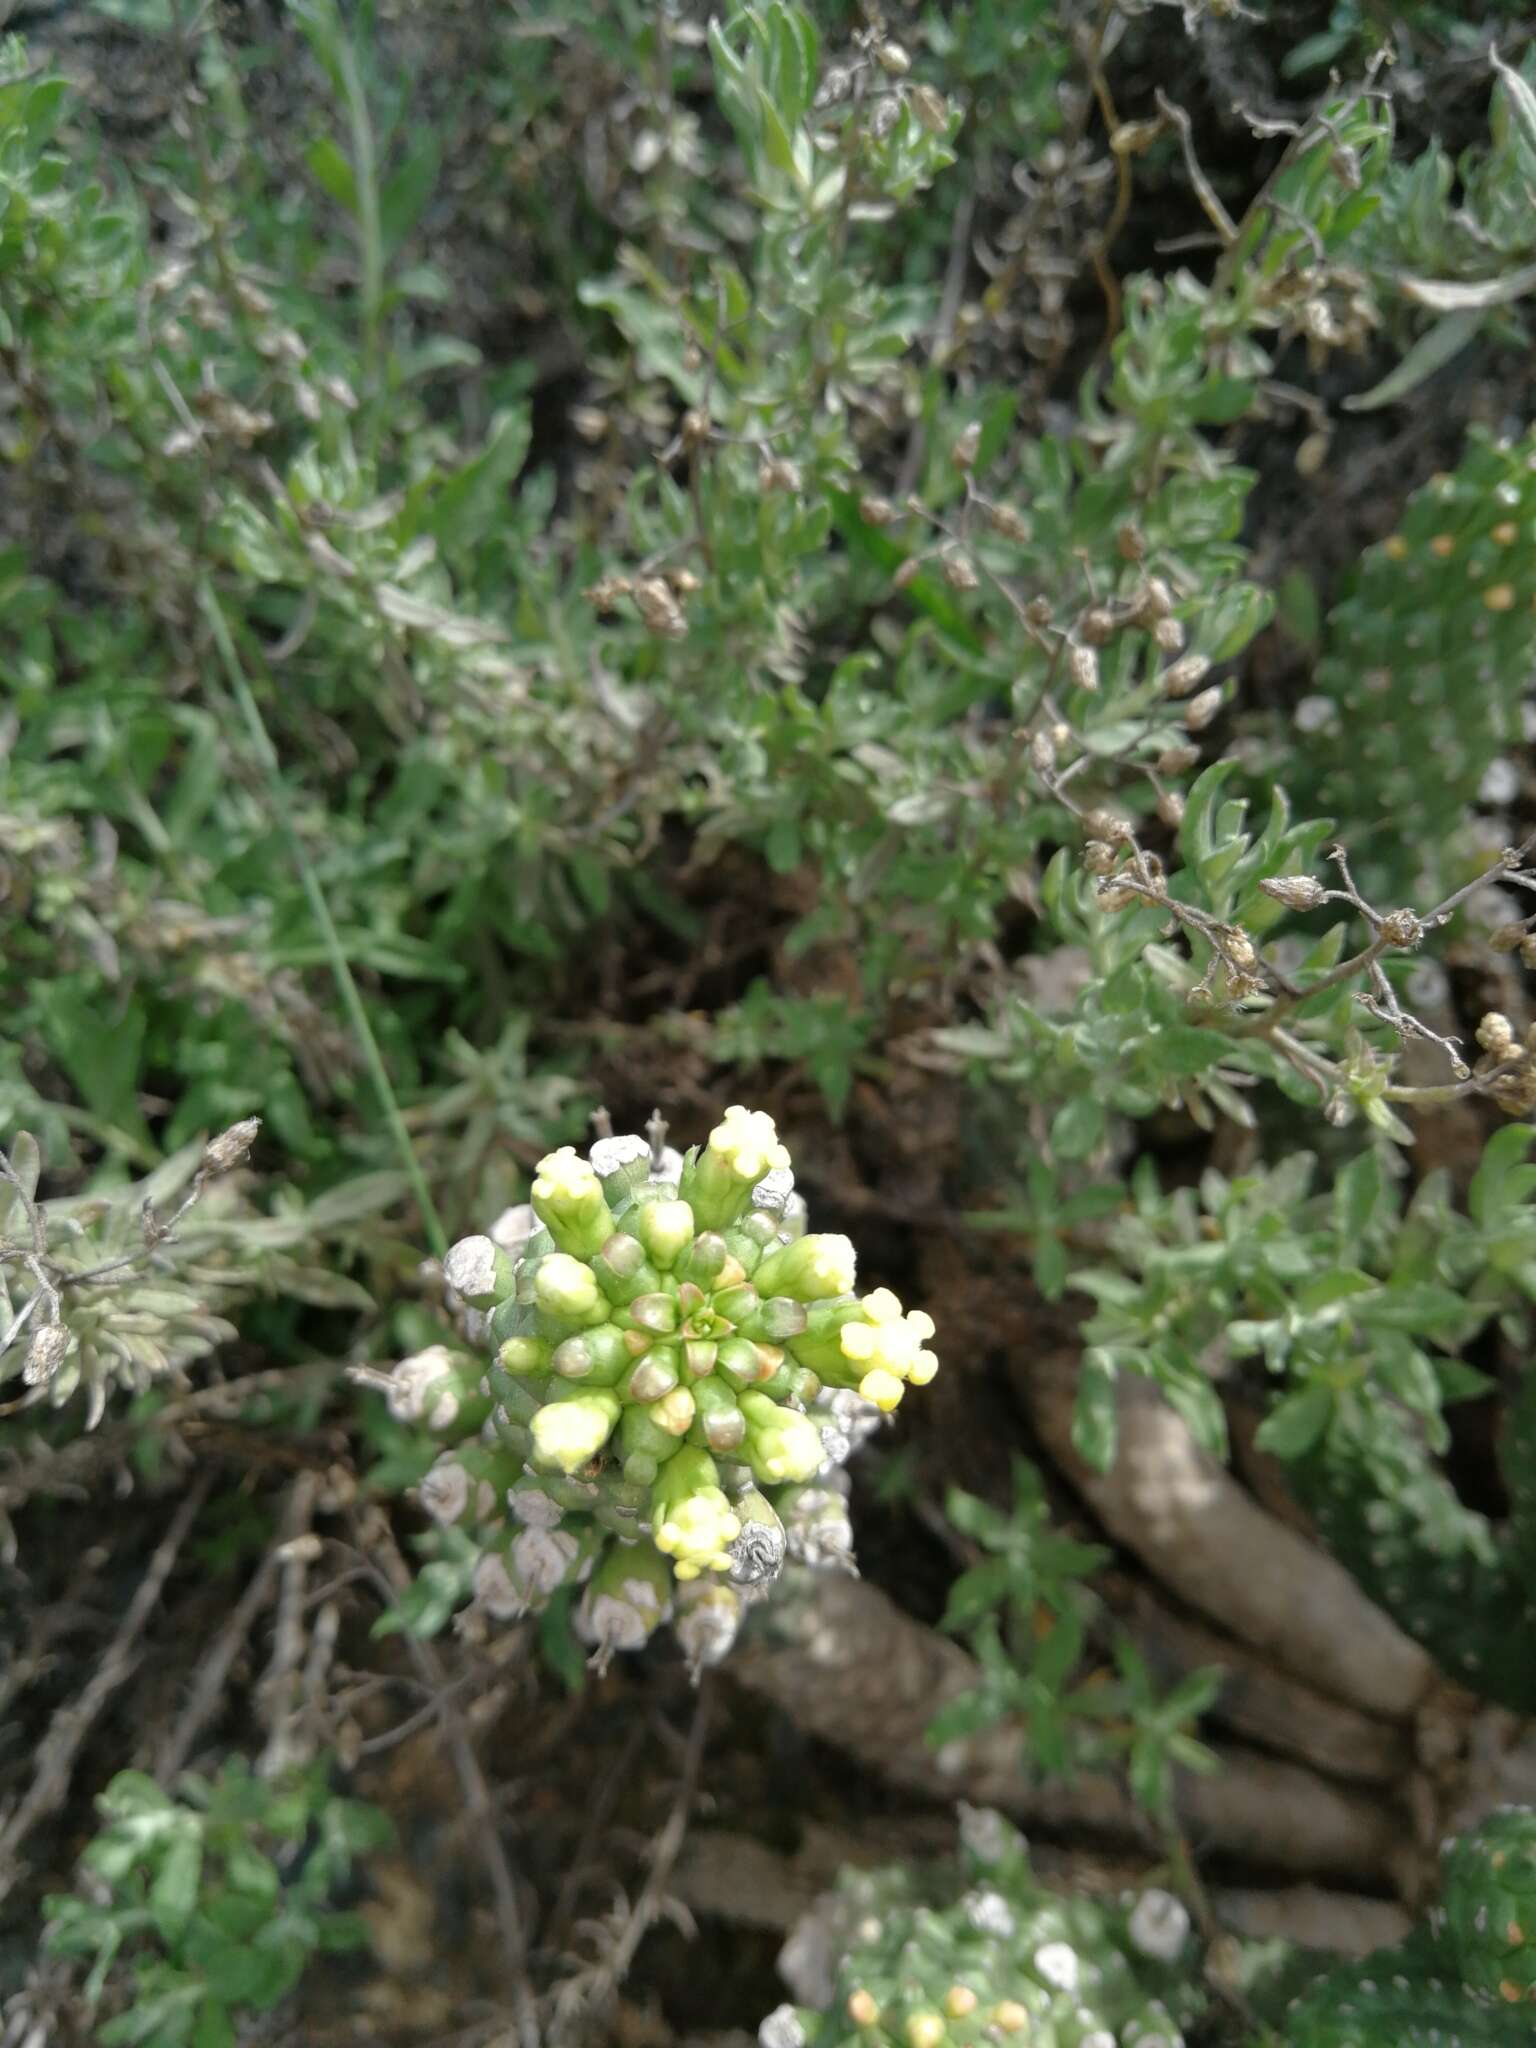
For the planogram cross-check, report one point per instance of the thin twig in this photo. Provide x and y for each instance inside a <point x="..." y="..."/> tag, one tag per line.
<point x="479" y="1807"/>
<point x="71" y="1724"/>
<point x="605" y="1981"/>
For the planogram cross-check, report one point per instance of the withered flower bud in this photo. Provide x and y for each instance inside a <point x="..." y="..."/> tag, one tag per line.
<point x="1238" y="947"/>
<point x="907" y="572"/>
<point x="1507" y="938"/>
<point x="45" y="1354"/>
<point x="1131" y="542"/>
<point x="1296" y="892"/>
<point x="1177" y="760"/>
<point x="1099" y="857"/>
<point x="892" y="58"/>
<point x="1402" y="928"/>
<point x="1038" y="611"/>
<point x="1096" y="626"/>
<point x="1200" y="710"/>
<point x="1170" y="808"/>
<point x="1528" y="950"/>
<point x="659" y="608"/>
<point x="1082" y="668"/>
<point x="227" y="1150"/>
<point x="1116" y="896"/>
<point x="1042" y="753"/>
<point x="959" y="572"/>
<point x="1008" y="521"/>
<point x="963" y="453"/>
<point x="1496" y="1035"/>
<point x="1168" y="635"/>
<point x="1184" y="676"/>
<point x="878" y="511"/>
<point x="1104" y="824"/>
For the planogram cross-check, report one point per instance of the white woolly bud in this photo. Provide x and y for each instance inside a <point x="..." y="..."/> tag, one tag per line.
<point x="1058" y="1964"/>
<point x="1159" y="1926"/>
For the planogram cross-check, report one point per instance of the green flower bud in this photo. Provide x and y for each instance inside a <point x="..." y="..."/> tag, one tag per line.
<point x="674" y="1411"/>
<point x="569" y="1433"/>
<point x="792" y="1383"/>
<point x="623" y="1270"/>
<point x="626" y="1599"/>
<point x="811" y="1269"/>
<point x="747" y="1364"/>
<point x="600" y="1356"/>
<point x="568" y="1199"/>
<point x="775" y="1321"/>
<point x="691" y="1519"/>
<point x="699" y="1358"/>
<point x="657" y="1313"/>
<point x="655" y="1375"/>
<point x="536" y="1251"/>
<point x="567" y="1291"/>
<point x="782" y="1445"/>
<point x="819" y="1344"/>
<point x="718" y="1419"/>
<point x="704" y="1261"/>
<point x="735" y="1303"/>
<point x="666" y="1229"/>
<point x="718" y="1181"/>
<point x="479" y="1272"/>
<point x="644" y="1443"/>
<point x="745" y="1250"/>
<point x="524" y="1355"/>
<point x="759" y="1226"/>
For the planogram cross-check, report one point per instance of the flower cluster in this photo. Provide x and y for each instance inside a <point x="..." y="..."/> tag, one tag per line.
<point x="679" y="1369"/>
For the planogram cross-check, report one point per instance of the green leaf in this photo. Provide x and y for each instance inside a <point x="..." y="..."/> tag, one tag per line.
<point x="975" y="1518"/>
<point x="215" y="2028"/>
<point x="173" y="1895"/>
<point x="332" y="172"/>
<point x="778" y="144"/>
<point x="1436" y="347"/>
<point x="1095" y="1419"/>
<point x="404" y="197"/>
<point x="1355" y="1195"/>
<point x="559" y="1645"/>
<point x="1077" y="1127"/>
<point x="1295" y="1424"/>
<point x="977" y="1592"/>
<point x="1179" y="1049"/>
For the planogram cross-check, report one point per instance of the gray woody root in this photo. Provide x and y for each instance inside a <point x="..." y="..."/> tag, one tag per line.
<point x="1204" y="1538"/>
<point x="1261" y="1704"/>
<point x="850" y="1668"/>
<point x="738" y="1879"/>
